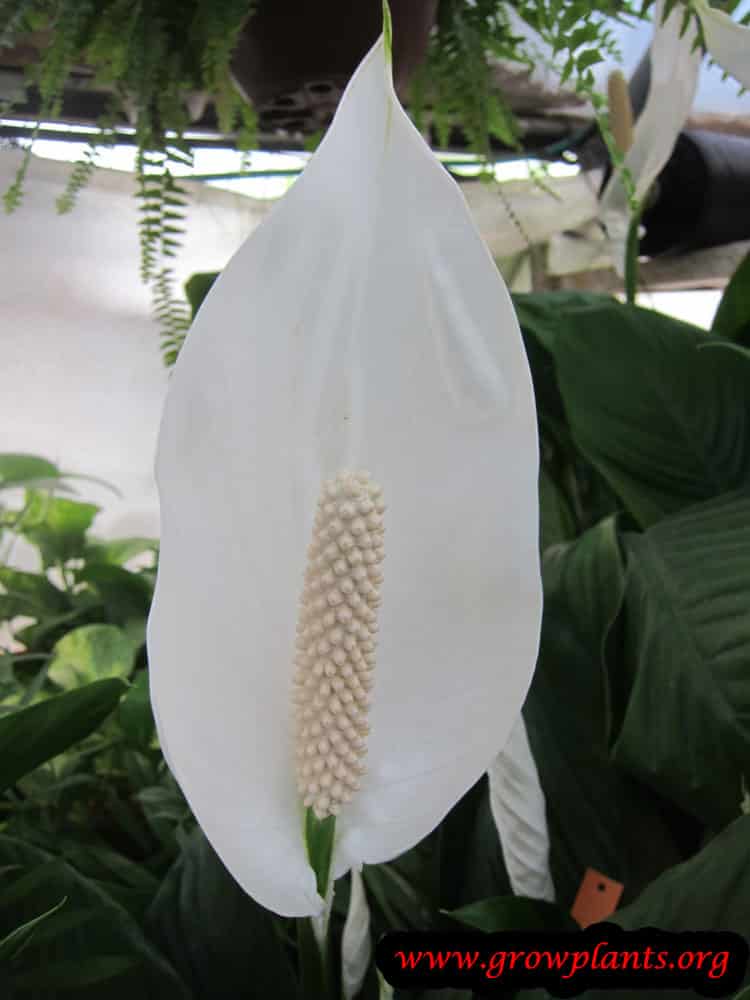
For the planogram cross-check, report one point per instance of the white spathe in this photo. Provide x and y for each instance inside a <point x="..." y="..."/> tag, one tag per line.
<point x="728" y="42"/>
<point x="674" y="76"/>
<point x="356" y="945"/>
<point x="519" y="810"/>
<point x="364" y="325"/>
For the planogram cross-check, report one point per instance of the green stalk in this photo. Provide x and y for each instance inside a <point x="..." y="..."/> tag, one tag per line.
<point x="387" y="32"/>
<point x="314" y="944"/>
<point x="631" y="258"/>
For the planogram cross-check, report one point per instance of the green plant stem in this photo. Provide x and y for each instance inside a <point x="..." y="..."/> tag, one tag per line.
<point x="316" y="960"/>
<point x="387" y="32"/>
<point x="631" y="259"/>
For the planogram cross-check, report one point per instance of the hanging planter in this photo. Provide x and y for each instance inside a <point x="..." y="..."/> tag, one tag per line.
<point x="293" y="60"/>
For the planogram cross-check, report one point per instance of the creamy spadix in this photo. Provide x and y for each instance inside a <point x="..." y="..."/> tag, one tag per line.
<point x="336" y="634"/>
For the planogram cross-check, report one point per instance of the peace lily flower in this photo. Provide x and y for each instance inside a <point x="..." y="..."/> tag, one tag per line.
<point x="675" y="64"/>
<point x="347" y="612"/>
<point x="674" y="77"/>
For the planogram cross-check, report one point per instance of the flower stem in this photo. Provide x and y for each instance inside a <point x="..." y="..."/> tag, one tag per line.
<point x="387" y="32"/>
<point x="313" y="938"/>
<point x="631" y="258"/>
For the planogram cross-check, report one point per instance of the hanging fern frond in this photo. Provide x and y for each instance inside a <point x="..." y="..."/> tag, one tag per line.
<point x="84" y="169"/>
<point x="149" y="180"/>
<point x="78" y="178"/>
<point x="13" y="195"/>
<point x="161" y="229"/>
<point x="458" y="75"/>
<point x="580" y="37"/>
<point x="173" y="314"/>
<point x="151" y="54"/>
<point x="222" y="23"/>
<point x="71" y="24"/>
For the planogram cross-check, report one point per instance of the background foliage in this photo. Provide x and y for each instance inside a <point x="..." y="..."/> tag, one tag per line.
<point x="638" y="715"/>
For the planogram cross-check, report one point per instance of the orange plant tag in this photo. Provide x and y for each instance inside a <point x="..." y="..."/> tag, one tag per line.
<point x="597" y="898"/>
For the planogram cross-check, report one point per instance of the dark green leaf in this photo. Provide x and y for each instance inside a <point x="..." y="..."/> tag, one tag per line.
<point x="217" y="937"/>
<point x="598" y="817"/>
<point x="667" y="424"/>
<point x="13" y="943"/>
<point x="707" y="893"/>
<point x="104" y="932"/>
<point x="556" y="522"/>
<point x="29" y="594"/>
<point x="395" y="897"/>
<point x="540" y="313"/>
<point x="128" y="883"/>
<point x="165" y="810"/>
<point x="539" y="316"/>
<point x="732" y="319"/>
<point x="38" y="638"/>
<point x="76" y="974"/>
<point x="572" y="493"/>
<point x="126" y="596"/>
<point x="197" y="288"/>
<point x="135" y="716"/>
<point x="31" y="736"/>
<point x="514" y="913"/>
<point x="313" y="971"/>
<point x="686" y="726"/>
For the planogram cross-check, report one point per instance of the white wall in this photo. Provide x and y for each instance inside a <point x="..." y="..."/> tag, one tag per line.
<point x="81" y="377"/>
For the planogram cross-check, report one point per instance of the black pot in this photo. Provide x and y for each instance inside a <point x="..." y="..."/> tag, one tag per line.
<point x="295" y="57"/>
<point x="702" y="196"/>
